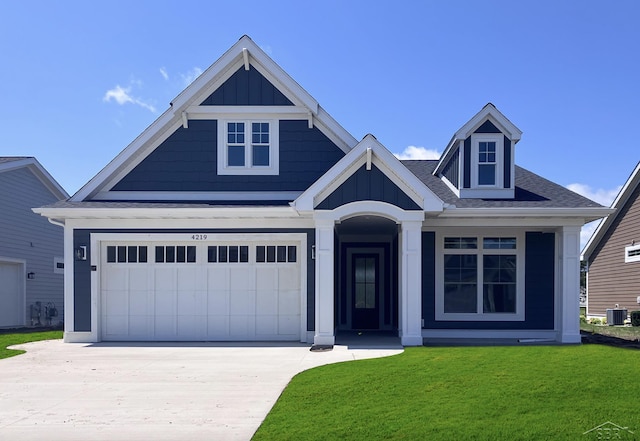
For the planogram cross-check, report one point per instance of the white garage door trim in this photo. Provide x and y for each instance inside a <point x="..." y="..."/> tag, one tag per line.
<point x="206" y="276"/>
<point x="18" y="268"/>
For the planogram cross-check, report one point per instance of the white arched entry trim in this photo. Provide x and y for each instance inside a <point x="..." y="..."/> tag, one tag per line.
<point x="410" y="280"/>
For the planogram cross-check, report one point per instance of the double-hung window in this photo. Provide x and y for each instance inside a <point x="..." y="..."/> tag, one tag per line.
<point x="487" y="163"/>
<point x="487" y="160"/>
<point x="480" y="278"/>
<point x="248" y="147"/>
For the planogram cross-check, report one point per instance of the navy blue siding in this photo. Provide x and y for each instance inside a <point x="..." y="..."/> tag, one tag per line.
<point x="540" y="278"/>
<point x="507" y="162"/>
<point x="452" y="169"/>
<point x="247" y="88"/>
<point x="82" y="284"/>
<point x="466" y="172"/>
<point x="187" y="161"/>
<point x="487" y="127"/>
<point x="539" y="287"/>
<point x="82" y="270"/>
<point x="368" y="185"/>
<point x="428" y="275"/>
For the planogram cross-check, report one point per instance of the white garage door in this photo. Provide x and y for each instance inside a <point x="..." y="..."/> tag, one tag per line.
<point x="12" y="299"/>
<point x="196" y="292"/>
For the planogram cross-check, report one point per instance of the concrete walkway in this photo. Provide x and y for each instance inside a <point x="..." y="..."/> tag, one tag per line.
<point x="151" y="391"/>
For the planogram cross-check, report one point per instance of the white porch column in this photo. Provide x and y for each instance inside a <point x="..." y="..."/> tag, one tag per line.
<point x="324" y="326"/>
<point x="569" y="274"/>
<point x="410" y="301"/>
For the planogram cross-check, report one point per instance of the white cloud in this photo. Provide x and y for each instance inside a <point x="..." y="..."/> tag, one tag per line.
<point x="414" y="152"/>
<point x="164" y="73"/>
<point x="188" y="77"/>
<point x="599" y="195"/>
<point x="122" y="96"/>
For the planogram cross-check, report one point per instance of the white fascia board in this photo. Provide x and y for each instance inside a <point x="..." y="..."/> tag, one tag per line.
<point x="586" y="214"/>
<point x="334" y="131"/>
<point x="190" y="223"/>
<point x="488" y="112"/>
<point x="215" y="112"/>
<point x="199" y="90"/>
<point x="621" y="199"/>
<point x="161" y="126"/>
<point x="491" y="113"/>
<point x="385" y="161"/>
<point x="405" y="180"/>
<point x="196" y="196"/>
<point x="444" y="158"/>
<point x="205" y="83"/>
<point x="168" y="213"/>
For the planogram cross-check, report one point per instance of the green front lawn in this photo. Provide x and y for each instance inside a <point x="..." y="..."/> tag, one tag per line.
<point x="481" y="393"/>
<point x="24" y="337"/>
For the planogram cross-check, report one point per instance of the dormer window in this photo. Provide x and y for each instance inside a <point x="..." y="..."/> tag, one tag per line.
<point x="478" y="162"/>
<point x="487" y="153"/>
<point x="487" y="163"/>
<point x="248" y="147"/>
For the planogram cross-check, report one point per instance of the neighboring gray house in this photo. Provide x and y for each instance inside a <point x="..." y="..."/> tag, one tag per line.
<point x="31" y="249"/>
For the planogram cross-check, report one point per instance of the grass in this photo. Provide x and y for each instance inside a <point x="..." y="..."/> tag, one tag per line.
<point x="624" y="332"/>
<point x="23" y="337"/>
<point x="479" y="393"/>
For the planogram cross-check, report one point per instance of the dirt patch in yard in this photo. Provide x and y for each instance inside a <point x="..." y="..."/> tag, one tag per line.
<point x="599" y="339"/>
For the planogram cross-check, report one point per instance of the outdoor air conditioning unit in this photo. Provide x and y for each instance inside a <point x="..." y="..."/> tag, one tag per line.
<point x="616" y="316"/>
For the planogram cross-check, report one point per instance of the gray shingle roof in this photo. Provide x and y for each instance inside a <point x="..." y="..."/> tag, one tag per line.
<point x="532" y="191"/>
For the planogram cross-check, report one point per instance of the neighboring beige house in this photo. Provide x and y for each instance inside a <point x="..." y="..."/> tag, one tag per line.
<point x="613" y="254"/>
<point x="31" y="249"/>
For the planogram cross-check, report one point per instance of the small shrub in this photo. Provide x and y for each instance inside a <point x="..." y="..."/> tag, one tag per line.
<point x="635" y="318"/>
<point x="598" y="321"/>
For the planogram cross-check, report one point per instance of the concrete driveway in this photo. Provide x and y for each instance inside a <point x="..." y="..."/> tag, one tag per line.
<point x="150" y="391"/>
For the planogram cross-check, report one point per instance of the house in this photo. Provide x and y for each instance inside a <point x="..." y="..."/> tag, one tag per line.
<point x="31" y="248"/>
<point x="612" y="254"/>
<point x="246" y="212"/>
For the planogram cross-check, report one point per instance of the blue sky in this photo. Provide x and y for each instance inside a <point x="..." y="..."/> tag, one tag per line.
<point x="81" y="79"/>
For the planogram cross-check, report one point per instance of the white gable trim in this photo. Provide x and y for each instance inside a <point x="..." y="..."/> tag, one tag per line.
<point x="488" y="112"/>
<point x="198" y="91"/>
<point x="381" y="158"/>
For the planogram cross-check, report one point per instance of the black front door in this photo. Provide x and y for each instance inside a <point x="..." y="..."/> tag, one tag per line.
<point x="365" y="303"/>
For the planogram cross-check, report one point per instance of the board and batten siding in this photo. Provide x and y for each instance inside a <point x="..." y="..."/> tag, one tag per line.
<point x="611" y="281"/>
<point x="30" y="237"/>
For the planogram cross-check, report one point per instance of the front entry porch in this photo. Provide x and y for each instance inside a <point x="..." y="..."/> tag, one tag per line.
<point x="366" y="291"/>
<point x="368" y="271"/>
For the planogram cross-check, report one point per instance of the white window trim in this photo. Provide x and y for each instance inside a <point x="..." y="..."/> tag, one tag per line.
<point x="248" y="169"/>
<point x="480" y="234"/>
<point x="498" y="138"/>
<point x="629" y="248"/>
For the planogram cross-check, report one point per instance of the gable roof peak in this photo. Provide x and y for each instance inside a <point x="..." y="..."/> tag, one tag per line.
<point x="245" y="52"/>
<point x="489" y="112"/>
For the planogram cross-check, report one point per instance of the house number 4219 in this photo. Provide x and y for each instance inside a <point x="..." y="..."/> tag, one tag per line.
<point x="199" y="237"/>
